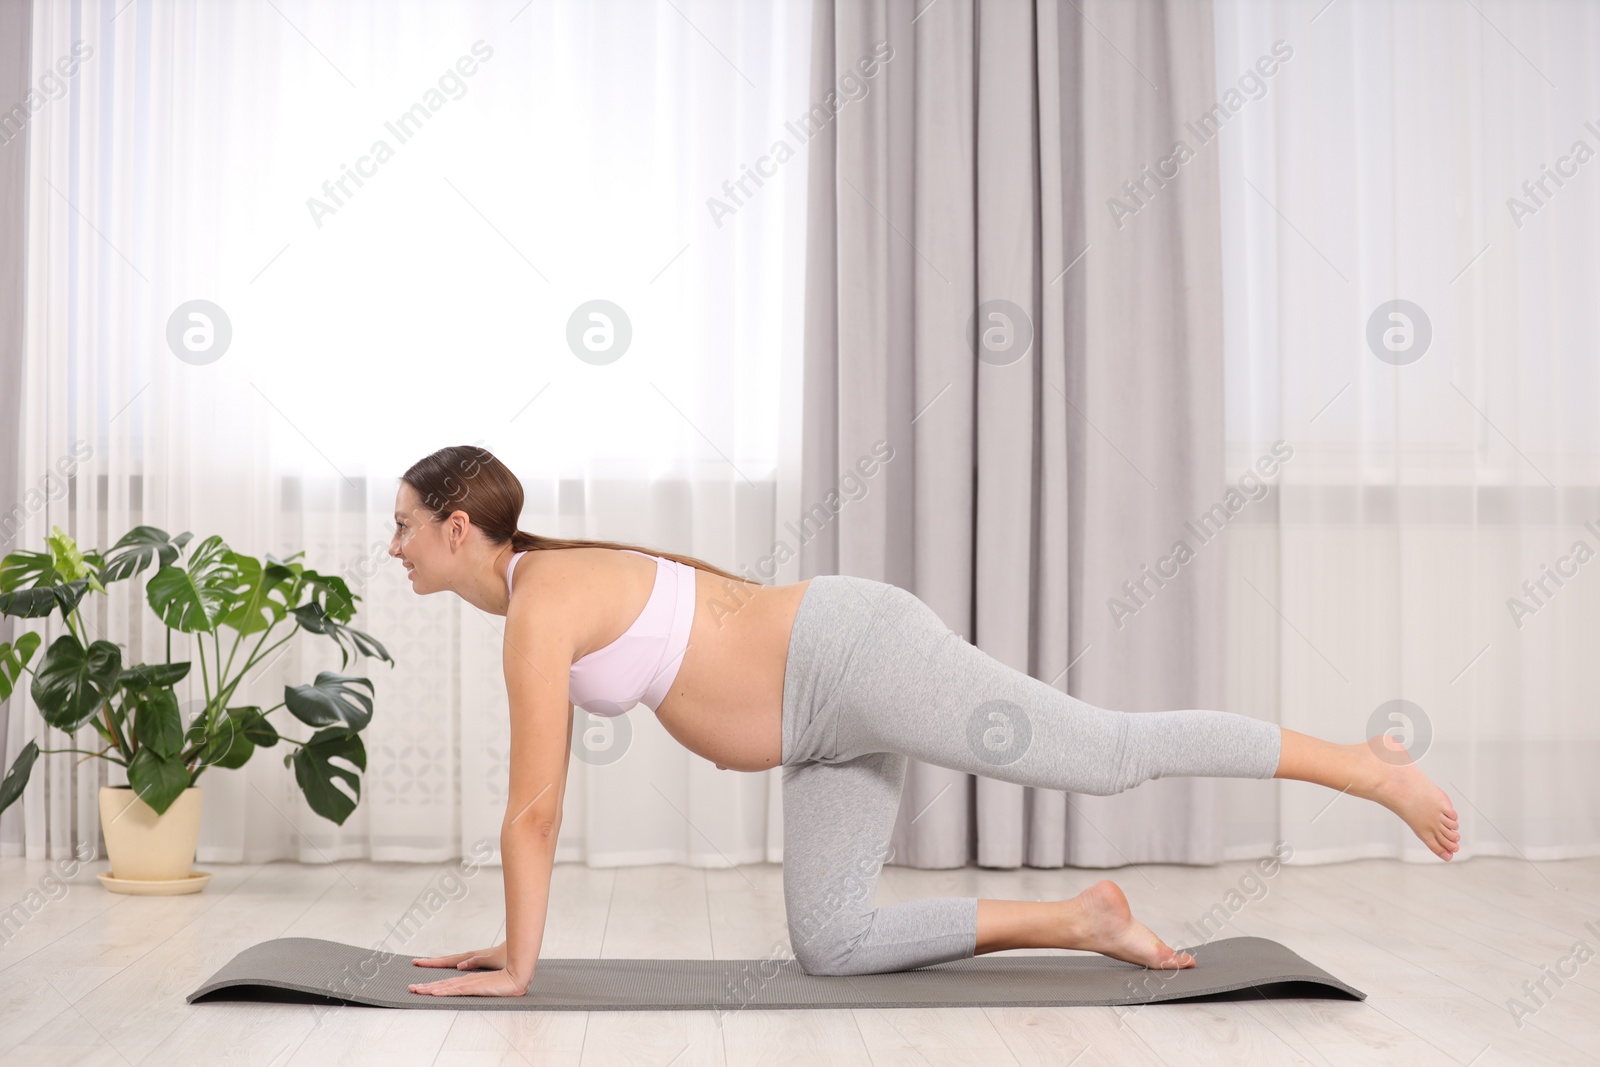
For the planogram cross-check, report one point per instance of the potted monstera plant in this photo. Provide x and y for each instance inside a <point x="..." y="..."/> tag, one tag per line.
<point x="152" y="824"/>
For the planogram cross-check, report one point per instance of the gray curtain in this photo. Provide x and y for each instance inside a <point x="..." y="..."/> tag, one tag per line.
<point x="979" y="162"/>
<point x="15" y="35"/>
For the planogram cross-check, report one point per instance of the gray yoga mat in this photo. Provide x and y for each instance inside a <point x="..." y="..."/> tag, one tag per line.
<point x="309" y="969"/>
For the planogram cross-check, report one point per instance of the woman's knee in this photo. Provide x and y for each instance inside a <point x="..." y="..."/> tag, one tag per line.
<point x="824" y="953"/>
<point x="826" y="947"/>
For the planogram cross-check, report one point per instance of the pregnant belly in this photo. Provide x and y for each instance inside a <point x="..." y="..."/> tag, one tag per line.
<point x="750" y="741"/>
<point x="726" y="703"/>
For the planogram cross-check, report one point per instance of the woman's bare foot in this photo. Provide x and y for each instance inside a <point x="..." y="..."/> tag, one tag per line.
<point x="1101" y="921"/>
<point x="1402" y="787"/>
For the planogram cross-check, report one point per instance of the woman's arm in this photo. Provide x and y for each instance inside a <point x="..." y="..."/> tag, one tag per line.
<point x="527" y="854"/>
<point x="527" y="859"/>
<point x="538" y="661"/>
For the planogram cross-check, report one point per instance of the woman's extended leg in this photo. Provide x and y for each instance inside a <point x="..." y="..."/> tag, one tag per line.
<point x="916" y="688"/>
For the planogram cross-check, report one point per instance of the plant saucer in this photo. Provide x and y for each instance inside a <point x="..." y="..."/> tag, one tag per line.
<point x="192" y="882"/>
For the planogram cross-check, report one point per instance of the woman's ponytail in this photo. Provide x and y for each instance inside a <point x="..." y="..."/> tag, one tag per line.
<point x="470" y="479"/>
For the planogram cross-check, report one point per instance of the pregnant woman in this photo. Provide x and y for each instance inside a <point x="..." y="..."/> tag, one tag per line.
<point x="837" y="679"/>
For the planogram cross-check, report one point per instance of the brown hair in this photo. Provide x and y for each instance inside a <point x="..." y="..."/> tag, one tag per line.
<point x="446" y="479"/>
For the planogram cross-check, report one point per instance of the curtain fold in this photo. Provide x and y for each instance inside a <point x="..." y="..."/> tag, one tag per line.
<point x="1050" y="379"/>
<point x="402" y="210"/>
<point x="16" y="84"/>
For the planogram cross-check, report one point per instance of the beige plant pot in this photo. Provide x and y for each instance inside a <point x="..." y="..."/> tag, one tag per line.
<point x="144" y="846"/>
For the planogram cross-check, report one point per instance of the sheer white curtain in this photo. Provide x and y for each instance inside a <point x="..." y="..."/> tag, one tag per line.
<point x="1431" y="477"/>
<point x="402" y="210"/>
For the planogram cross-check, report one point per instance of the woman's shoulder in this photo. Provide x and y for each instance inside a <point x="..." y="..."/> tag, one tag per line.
<point x="579" y="556"/>
<point x="547" y="572"/>
<point x="576" y="592"/>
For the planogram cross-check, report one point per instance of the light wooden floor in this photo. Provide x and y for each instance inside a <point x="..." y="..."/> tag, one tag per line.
<point x="98" y="978"/>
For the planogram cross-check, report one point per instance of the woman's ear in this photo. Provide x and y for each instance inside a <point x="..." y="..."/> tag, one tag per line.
<point x="460" y="525"/>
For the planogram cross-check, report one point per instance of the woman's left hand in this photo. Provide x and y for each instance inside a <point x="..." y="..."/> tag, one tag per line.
<point x="477" y="984"/>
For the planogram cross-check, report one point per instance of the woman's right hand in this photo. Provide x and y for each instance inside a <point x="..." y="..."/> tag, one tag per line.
<point x="484" y="959"/>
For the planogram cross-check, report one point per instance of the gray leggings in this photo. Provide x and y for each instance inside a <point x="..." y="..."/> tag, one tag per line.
<point x="873" y="677"/>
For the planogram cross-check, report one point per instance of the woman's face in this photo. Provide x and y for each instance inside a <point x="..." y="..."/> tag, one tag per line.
<point x="418" y="542"/>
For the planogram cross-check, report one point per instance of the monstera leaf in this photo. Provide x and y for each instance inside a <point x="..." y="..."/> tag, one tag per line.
<point x="288" y="572"/>
<point x="332" y="700"/>
<point x="14" y="657"/>
<point x="33" y="584"/>
<point x="21" y="569"/>
<point x="236" y="738"/>
<point x="17" y="776"/>
<point x="138" y="548"/>
<point x="73" y="682"/>
<point x="330" y="591"/>
<point x="70" y="563"/>
<point x="157" y="722"/>
<point x="193" y="598"/>
<point x="313" y="617"/>
<point x="31" y="587"/>
<point x="316" y="773"/>
<point x="146" y="675"/>
<point x="157" y="779"/>
<point x="257" y="609"/>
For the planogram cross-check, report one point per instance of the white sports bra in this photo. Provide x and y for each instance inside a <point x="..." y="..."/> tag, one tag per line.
<point x="640" y="666"/>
